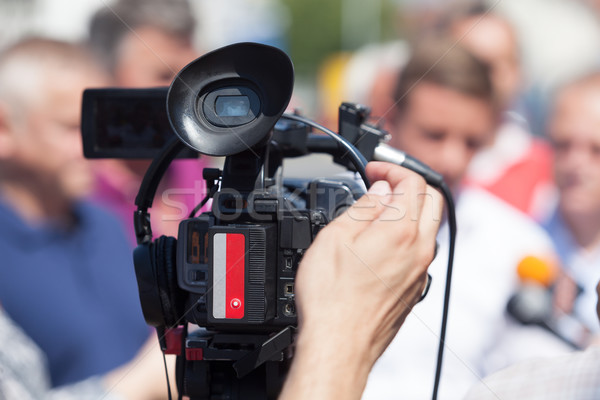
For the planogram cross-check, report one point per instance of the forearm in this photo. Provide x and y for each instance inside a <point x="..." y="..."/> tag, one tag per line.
<point x="332" y="366"/>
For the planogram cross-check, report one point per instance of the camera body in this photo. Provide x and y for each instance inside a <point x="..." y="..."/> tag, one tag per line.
<point x="231" y="270"/>
<point x="238" y="262"/>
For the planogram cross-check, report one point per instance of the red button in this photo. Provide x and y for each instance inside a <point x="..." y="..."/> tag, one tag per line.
<point x="236" y="303"/>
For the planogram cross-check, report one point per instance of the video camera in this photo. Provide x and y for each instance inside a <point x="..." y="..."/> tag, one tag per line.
<point x="231" y="270"/>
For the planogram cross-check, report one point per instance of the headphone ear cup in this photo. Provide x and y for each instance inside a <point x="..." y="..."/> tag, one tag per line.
<point x="148" y="288"/>
<point x="166" y="276"/>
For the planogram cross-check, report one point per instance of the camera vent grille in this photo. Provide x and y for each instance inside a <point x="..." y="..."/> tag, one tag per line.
<point x="256" y="275"/>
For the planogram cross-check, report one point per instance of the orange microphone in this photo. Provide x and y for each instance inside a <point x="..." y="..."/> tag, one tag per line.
<point x="533" y="304"/>
<point x="535" y="270"/>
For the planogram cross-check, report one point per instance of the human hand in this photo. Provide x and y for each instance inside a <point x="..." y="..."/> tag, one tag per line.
<point x="564" y="293"/>
<point x="359" y="280"/>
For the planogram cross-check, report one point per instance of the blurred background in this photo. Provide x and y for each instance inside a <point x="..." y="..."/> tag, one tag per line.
<point x="340" y="47"/>
<point x="559" y="38"/>
<point x="356" y="51"/>
<point x="311" y="31"/>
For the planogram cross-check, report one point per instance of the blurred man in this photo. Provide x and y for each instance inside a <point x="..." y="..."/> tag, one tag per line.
<point x="516" y="166"/>
<point x="66" y="276"/>
<point x="574" y="129"/>
<point x="446" y="115"/>
<point x="145" y="43"/>
<point x="446" y="111"/>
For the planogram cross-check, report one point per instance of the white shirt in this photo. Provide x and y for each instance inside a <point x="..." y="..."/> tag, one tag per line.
<point x="574" y="376"/>
<point x="492" y="239"/>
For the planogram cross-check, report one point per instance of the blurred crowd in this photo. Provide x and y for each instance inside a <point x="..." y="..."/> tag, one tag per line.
<point x="507" y="110"/>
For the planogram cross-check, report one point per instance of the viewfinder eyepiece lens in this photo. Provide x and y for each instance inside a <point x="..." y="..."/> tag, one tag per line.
<point x="232" y="106"/>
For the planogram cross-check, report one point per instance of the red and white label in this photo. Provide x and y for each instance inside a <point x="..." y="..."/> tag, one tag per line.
<point x="229" y="254"/>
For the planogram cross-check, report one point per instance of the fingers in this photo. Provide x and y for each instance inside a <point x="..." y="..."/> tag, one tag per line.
<point x="403" y="205"/>
<point x="397" y="206"/>
<point x="362" y="213"/>
<point x="427" y="202"/>
<point x="383" y="171"/>
<point x="405" y="202"/>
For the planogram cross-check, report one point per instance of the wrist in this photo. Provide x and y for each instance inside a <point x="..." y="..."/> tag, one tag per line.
<point x="328" y="365"/>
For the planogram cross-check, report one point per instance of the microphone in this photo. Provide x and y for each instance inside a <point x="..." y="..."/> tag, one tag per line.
<point x="369" y="140"/>
<point x="385" y="152"/>
<point x="537" y="271"/>
<point x="533" y="303"/>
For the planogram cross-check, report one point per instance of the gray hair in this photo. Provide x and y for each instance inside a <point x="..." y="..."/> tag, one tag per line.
<point x="112" y="23"/>
<point x="24" y="65"/>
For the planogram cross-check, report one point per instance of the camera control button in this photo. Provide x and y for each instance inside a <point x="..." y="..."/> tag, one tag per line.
<point x="236" y="303"/>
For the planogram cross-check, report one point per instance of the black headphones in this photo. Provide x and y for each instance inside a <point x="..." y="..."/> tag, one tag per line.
<point x="155" y="261"/>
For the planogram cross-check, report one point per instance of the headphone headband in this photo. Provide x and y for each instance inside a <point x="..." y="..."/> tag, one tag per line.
<point x="149" y="186"/>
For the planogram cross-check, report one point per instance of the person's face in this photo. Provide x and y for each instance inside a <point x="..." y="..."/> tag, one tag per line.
<point x="47" y="141"/>
<point x="443" y="128"/>
<point x="151" y="57"/>
<point x="575" y="135"/>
